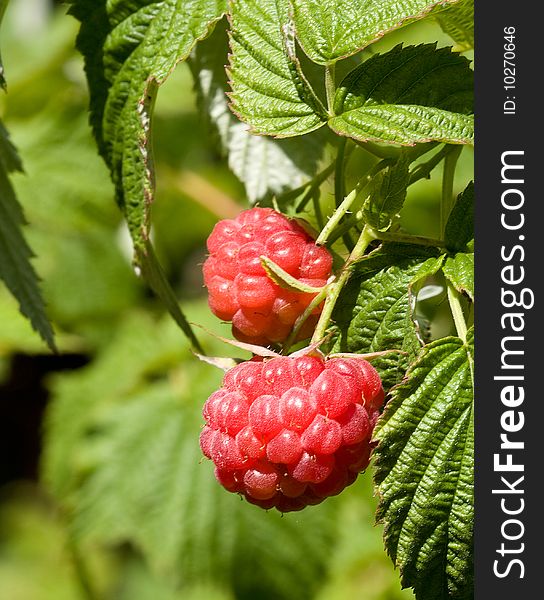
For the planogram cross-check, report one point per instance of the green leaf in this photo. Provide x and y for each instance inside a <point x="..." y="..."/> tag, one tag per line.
<point x="458" y="22"/>
<point x="374" y="311"/>
<point x="16" y="269"/>
<point x="387" y="194"/>
<point x="269" y="91"/>
<point x="431" y="266"/>
<point x="459" y="269"/>
<point x="425" y="469"/>
<point x="130" y="48"/>
<point x="407" y="96"/>
<point x="266" y="166"/>
<point x="284" y="280"/>
<point x="460" y="226"/>
<point x="329" y="30"/>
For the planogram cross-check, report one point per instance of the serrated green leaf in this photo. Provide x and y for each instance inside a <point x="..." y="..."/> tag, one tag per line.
<point x="16" y="269"/>
<point x="374" y="311"/>
<point x="329" y="30"/>
<point x="269" y="91"/>
<point x="460" y="226"/>
<point x="265" y="165"/>
<point x="387" y="194"/>
<point x="130" y="48"/>
<point x="458" y="22"/>
<point x="284" y="280"/>
<point x="407" y="96"/>
<point x="431" y="266"/>
<point x="425" y="471"/>
<point x="459" y="269"/>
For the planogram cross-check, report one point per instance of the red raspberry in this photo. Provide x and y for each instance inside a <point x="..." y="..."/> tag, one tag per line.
<point x="239" y="289"/>
<point x="291" y="431"/>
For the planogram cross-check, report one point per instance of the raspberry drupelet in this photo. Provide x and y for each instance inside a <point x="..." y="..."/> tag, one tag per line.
<point x="291" y="431"/>
<point x="239" y="289"/>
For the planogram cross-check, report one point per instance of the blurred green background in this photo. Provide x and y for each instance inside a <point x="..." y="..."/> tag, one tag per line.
<point x="103" y="494"/>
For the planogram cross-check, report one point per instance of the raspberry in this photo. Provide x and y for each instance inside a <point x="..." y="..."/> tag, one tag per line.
<point x="289" y="432"/>
<point x="239" y="289"/>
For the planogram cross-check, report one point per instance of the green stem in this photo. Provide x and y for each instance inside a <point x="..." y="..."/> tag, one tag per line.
<point x="405" y="238"/>
<point x="334" y="289"/>
<point x="448" y="178"/>
<point x="332" y="232"/>
<point x="330" y="87"/>
<point x="302" y="319"/>
<point x="423" y="171"/>
<point x="336" y="217"/>
<point x="339" y="188"/>
<point x="380" y="151"/>
<point x="457" y="312"/>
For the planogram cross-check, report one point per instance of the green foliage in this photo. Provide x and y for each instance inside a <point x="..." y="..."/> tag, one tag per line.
<point x="130" y="50"/>
<point x="374" y="311"/>
<point x="459" y="269"/>
<point x="408" y="95"/>
<point x="387" y="194"/>
<point x="269" y="92"/>
<point x="330" y="30"/>
<point x="458" y="22"/>
<point x="424" y="472"/>
<point x="16" y="269"/>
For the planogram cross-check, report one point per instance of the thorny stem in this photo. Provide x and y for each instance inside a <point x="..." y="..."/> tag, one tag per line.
<point x="336" y="217"/>
<point x="448" y="177"/>
<point x="331" y="232"/>
<point x="457" y="312"/>
<point x="334" y="289"/>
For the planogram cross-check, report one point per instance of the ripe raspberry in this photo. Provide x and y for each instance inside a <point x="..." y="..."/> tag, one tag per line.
<point x="291" y="431"/>
<point x="239" y="289"/>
